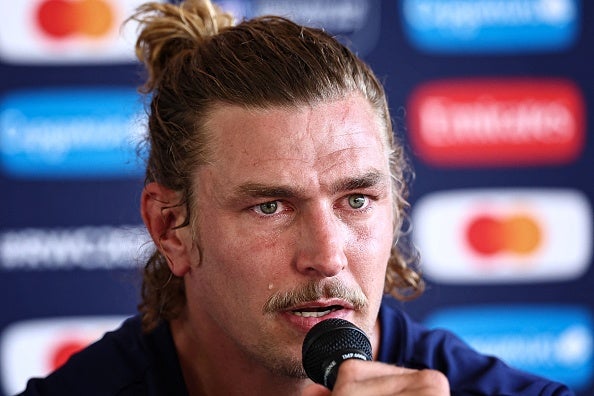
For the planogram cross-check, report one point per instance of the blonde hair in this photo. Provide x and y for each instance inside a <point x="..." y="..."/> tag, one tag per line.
<point x="197" y="58"/>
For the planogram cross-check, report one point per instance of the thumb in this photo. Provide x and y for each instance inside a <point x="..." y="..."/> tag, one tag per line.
<point x="316" y="390"/>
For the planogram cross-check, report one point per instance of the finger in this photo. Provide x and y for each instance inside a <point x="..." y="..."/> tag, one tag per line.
<point x="359" y="369"/>
<point x="316" y="390"/>
<point x="379" y="379"/>
<point x="419" y="383"/>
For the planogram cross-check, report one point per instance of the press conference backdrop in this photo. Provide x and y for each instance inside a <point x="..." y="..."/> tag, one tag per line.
<point x="494" y="100"/>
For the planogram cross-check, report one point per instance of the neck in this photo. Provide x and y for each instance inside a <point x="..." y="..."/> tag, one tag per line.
<point x="212" y="368"/>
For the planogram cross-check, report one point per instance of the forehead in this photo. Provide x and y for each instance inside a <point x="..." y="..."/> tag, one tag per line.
<point x="339" y="136"/>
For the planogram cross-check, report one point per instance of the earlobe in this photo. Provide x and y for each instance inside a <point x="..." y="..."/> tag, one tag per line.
<point x="161" y="212"/>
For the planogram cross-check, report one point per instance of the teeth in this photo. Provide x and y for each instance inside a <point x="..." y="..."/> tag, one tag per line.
<point x="310" y="314"/>
<point x="314" y="314"/>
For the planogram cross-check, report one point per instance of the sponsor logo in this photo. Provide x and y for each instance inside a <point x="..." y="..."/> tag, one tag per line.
<point x="71" y="133"/>
<point x="519" y="233"/>
<point x="555" y="342"/>
<point x="495" y="122"/>
<point x="355" y="22"/>
<point x="67" y="31"/>
<point x="496" y="236"/>
<point x="491" y="26"/>
<point x="60" y="19"/>
<point x="88" y="248"/>
<point x="37" y="347"/>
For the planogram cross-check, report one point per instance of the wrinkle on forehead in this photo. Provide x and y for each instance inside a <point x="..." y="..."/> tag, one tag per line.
<point x="266" y="118"/>
<point x="320" y="137"/>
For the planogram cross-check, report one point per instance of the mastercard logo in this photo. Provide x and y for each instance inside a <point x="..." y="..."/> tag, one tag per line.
<point x="62" y="18"/>
<point x="519" y="234"/>
<point x="36" y="347"/>
<point x="62" y="351"/>
<point x="504" y="235"/>
<point x="67" y="31"/>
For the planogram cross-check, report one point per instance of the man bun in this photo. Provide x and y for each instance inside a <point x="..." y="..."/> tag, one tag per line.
<point x="168" y="31"/>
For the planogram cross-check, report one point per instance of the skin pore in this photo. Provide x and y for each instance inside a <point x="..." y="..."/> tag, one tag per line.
<point x="293" y="224"/>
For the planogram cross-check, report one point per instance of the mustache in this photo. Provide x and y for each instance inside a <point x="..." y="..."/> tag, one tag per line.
<point x="311" y="291"/>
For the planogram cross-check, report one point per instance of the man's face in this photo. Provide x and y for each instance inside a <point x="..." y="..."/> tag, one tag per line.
<point x="294" y="223"/>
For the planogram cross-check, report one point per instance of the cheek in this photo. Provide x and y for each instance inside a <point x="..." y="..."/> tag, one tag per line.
<point x="370" y="252"/>
<point x="242" y="256"/>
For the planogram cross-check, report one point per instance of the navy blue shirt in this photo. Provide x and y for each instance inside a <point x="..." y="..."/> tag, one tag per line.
<point x="128" y="362"/>
<point x="408" y="344"/>
<point x="125" y="362"/>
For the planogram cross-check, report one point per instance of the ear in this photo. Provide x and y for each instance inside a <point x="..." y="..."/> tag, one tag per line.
<point x="161" y="214"/>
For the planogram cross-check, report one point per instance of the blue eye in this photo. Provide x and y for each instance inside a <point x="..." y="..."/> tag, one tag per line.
<point x="268" y="207"/>
<point x="357" y="201"/>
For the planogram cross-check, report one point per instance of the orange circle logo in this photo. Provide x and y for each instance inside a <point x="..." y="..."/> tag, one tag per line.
<point x="62" y="352"/>
<point x="63" y="18"/>
<point x="488" y="235"/>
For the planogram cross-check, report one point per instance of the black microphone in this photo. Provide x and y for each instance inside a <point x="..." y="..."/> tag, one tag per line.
<point x="328" y="344"/>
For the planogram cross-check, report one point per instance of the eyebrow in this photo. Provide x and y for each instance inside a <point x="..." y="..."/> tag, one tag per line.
<point x="370" y="179"/>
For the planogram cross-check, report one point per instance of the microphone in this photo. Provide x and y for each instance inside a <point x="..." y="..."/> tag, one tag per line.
<point x="328" y="344"/>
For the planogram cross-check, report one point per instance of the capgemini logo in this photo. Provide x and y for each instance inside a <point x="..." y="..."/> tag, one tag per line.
<point x="554" y="341"/>
<point x="90" y="132"/>
<point x="491" y="26"/>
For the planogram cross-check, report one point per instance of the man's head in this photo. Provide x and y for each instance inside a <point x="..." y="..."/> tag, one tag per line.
<point x="204" y="75"/>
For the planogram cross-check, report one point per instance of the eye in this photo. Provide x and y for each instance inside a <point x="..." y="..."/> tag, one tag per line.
<point x="268" y="208"/>
<point x="357" y="201"/>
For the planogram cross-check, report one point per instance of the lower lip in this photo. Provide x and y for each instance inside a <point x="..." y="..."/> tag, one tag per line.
<point x="304" y="324"/>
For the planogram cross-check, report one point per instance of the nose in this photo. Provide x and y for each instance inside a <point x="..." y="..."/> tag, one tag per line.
<point x="321" y="245"/>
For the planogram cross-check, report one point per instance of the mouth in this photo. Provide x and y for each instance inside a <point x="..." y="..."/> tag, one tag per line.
<point x="304" y="316"/>
<point x="316" y="312"/>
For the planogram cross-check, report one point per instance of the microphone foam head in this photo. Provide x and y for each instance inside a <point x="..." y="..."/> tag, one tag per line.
<point x="330" y="342"/>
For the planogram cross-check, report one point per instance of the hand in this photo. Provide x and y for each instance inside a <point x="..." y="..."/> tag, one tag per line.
<point x="357" y="377"/>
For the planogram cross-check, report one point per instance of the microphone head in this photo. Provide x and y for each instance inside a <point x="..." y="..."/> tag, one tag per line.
<point x="328" y="344"/>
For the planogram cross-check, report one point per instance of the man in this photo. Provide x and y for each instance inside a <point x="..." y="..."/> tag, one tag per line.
<point x="274" y="194"/>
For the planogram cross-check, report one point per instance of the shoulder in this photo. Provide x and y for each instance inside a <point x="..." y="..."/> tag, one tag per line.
<point x="407" y="343"/>
<point x="123" y="362"/>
